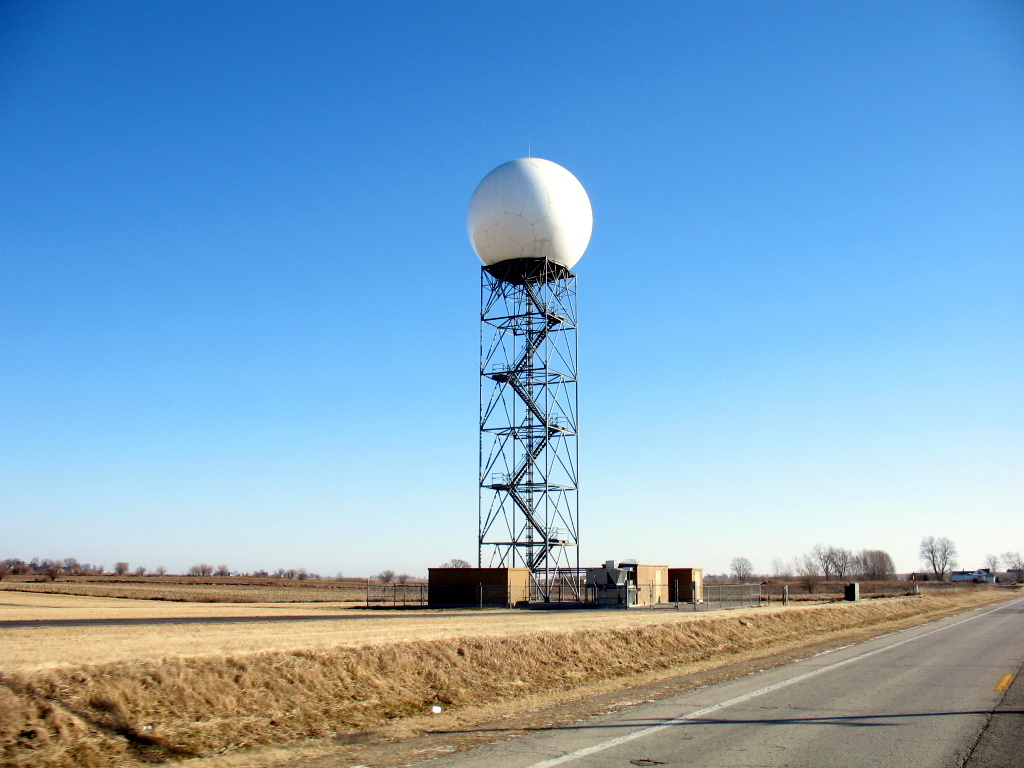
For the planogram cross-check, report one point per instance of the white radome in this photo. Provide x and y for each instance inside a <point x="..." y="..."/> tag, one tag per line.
<point x="530" y="208"/>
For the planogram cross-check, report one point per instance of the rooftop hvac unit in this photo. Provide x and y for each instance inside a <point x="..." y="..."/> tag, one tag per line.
<point x="612" y="586"/>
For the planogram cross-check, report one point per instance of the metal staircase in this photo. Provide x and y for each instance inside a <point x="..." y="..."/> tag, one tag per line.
<point x="528" y="419"/>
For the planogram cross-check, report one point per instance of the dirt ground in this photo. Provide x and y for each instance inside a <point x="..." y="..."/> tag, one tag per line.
<point x="187" y="589"/>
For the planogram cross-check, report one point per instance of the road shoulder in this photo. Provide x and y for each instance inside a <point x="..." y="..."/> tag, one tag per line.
<point x="999" y="745"/>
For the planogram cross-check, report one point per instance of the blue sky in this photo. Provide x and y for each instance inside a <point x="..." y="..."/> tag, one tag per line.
<point x="239" y="311"/>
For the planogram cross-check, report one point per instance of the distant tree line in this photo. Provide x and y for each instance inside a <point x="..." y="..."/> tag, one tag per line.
<point x="51" y="568"/>
<point x="389" y="576"/>
<point x="70" y="566"/>
<point x="828" y="563"/>
<point x="823" y="563"/>
<point x="831" y="563"/>
<point x="299" y="574"/>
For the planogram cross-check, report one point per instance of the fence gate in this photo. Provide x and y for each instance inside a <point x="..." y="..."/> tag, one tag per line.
<point x="718" y="596"/>
<point x="396" y="594"/>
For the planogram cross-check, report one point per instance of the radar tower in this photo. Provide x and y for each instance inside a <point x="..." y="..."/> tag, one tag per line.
<point x="529" y="221"/>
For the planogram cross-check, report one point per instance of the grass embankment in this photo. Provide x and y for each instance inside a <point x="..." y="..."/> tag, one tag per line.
<point x="147" y="711"/>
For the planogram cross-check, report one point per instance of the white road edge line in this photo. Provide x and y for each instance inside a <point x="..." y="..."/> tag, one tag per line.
<point x="745" y="697"/>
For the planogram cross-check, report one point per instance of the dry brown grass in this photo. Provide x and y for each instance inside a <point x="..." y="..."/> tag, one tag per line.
<point x="157" y="709"/>
<point x="23" y="606"/>
<point x="49" y="646"/>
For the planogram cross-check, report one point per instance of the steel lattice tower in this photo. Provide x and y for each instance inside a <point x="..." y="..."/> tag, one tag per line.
<point x="528" y="513"/>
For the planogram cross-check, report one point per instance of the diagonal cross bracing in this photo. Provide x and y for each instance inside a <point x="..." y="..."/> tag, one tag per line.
<point x="528" y="418"/>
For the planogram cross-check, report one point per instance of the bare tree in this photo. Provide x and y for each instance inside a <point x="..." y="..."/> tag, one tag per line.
<point x="1014" y="564"/>
<point x="161" y="571"/>
<point x="823" y="556"/>
<point x="223" y="570"/>
<point x="5" y="570"/>
<point x="939" y="554"/>
<point x="992" y="563"/>
<point x="873" y="565"/>
<point x="859" y="564"/>
<point x="841" y="561"/>
<point x="456" y="563"/>
<point x="781" y="569"/>
<point x="807" y="570"/>
<point x="200" y="569"/>
<point x="18" y="567"/>
<point x="386" y="576"/>
<point x="52" y="568"/>
<point x="140" y="571"/>
<point x="72" y="566"/>
<point x="403" y="578"/>
<point x="882" y="566"/>
<point x="834" y="562"/>
<point x="741" y="568"/>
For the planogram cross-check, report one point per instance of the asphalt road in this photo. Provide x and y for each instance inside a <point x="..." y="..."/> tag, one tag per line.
<point x="927" y="697"/>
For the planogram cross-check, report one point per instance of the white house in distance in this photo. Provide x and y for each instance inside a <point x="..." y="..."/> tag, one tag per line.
<point x="980" y="575"/>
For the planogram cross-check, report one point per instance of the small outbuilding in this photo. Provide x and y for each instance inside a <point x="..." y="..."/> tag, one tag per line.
<point x="478" y="587"/>
<point x="684" y="584"/>
<point x="651" y="582"/>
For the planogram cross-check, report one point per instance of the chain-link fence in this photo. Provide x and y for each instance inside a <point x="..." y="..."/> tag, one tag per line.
<point x="719" y="596"/>
<point x="679" y="596"/>
<point x="566" y="595"/>
<point x="395" y="595"/>
<point x="561" y="591"/>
